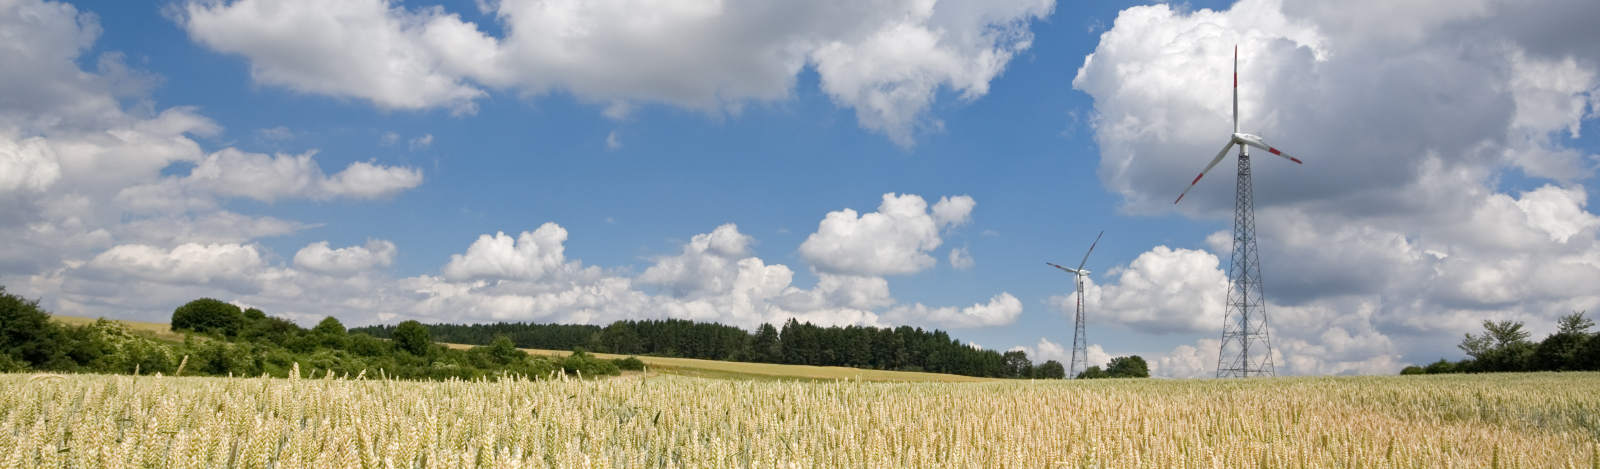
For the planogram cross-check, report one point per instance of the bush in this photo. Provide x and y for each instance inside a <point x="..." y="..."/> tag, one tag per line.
<point x="208" y="316"/>
<point x="630" y="364"/>
<point x="1413" y="370"/>
<point x="582" y="362"/>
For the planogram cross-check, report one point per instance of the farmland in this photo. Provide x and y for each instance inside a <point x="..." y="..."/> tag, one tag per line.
<point x="94" y="421"/>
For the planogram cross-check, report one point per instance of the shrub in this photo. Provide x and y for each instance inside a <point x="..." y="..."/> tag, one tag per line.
<point x="208" y="316"/>
<point x="630" y="363"/>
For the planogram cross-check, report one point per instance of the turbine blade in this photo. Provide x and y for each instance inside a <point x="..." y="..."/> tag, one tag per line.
<point x="1263" y="145"/>
<point x="1091" y="251"/>
<point x="1203" y="172"/>
<point x="1235" y="90"/>
<point x="1068" y="269"/>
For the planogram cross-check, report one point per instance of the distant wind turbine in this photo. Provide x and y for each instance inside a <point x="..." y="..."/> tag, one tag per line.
<point x="1080" y="353"/>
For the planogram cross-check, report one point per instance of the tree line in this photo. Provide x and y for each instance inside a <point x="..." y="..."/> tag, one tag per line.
<point x="1504" y="347"/>
<point x="902" y="348"/>
<point x="223" y="340"/>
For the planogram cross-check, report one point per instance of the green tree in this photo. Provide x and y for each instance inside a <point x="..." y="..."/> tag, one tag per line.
<point x="330" y="326"/>
<point x="1093" y="372"/>
<point x="1051" y="369"/>
<point x="27" y="337"/>
<point x="1128" y="367"/>
<point x="1015" y="364"/>
<point x="412" y="336"/>
<point x="1414" y="370"/>
<point x="503" y="352"/>
<point x="208" y="316"/>
<point x="764" y="346"/>
<point x="1503" y="346"/>
<point x="1559" y="351"/>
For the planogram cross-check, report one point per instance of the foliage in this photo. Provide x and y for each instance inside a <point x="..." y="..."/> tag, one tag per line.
<point x="208" y="316"/>
<point x="1120" y="367"/>
<point x="1051" y="369"/>
<point x="629" y="364"/>
<point x="1503" y="347"/>
<point x="796" y="343"/>
<point x="412" y="337"/>
<point x="28" y="340"/>
<point x="582" y="363"/>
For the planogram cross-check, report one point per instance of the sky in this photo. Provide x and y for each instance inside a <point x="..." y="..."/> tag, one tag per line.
<point x="903" y="162"/>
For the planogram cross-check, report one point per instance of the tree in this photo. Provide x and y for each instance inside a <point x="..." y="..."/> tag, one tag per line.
<point x="1559" y="351"/>
<point x="1128" y="367"/>
<point x="27" y="337"/>
<point x="1015" y="364"/>
<point x="330" y="326"/>
<point x="503" y="352"/>
<point x="1051" y="369"/>
<point x="1093" y="372"/>
<point x="411" y="336"/>
<point x="764" y="346"/>
<point x="1502" y="347"/>
<point x="208" y="316"/>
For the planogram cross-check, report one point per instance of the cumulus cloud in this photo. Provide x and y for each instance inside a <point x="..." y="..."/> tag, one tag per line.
<point x="1162" y="291"/>
<point x="1002" y="309"/>
<point x="894" y="240"/>
<point x="318" y="257"/>
<point x="715" y="277"/>
<point x="886" y="60"/>
<point x="960" y="259"/>
<point x="531" y="256"/>
<point x="1394" y="238"/>
<point x="30" y="165"/>
<point x="234" y="173"/>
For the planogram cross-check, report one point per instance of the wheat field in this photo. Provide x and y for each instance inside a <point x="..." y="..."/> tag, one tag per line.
<point x="1463" y="421"/>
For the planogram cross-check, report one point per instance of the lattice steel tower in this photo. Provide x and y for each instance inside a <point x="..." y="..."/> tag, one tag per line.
<point x="1080" y="344"/>
<point x="1246" y="345"/>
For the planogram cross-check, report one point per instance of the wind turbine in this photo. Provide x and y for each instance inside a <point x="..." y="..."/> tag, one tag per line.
<point x="1080" y="353"/>
<point x="1245" y="319"/>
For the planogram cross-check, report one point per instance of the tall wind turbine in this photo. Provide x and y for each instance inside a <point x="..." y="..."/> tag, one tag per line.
<point x="1244" y="325"/>
<point x="1080" y="352"/>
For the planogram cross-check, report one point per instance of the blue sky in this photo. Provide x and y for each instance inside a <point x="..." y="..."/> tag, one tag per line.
<point x="165" y="151"/>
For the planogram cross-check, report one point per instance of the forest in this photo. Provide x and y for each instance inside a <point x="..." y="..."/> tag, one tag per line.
<point x="1503" y="346"/>
<point x="903" y="348"/>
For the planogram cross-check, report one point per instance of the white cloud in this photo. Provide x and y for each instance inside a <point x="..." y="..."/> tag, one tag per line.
<point x="424" y="141"/>
<point x="894" y="240"/>
<point x="612" y="142"/>
<point x="960" y="259"/>
<point x="886" y="60"/>
<point x="30" y="165"/>
<point x="317" y="257"/>
<point x="532" y="256"/>
<point x="1002" y="309"/>
<point x="233" y="173"/>
<point x="361" y="48"/>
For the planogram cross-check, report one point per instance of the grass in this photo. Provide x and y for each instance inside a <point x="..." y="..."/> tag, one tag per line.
<point x="154" y="330"/>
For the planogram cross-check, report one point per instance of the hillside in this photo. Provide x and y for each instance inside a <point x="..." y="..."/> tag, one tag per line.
<point x="674" y="366"/>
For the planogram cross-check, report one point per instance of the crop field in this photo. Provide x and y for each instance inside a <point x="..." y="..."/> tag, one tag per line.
<point x="1461" y="421"/>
